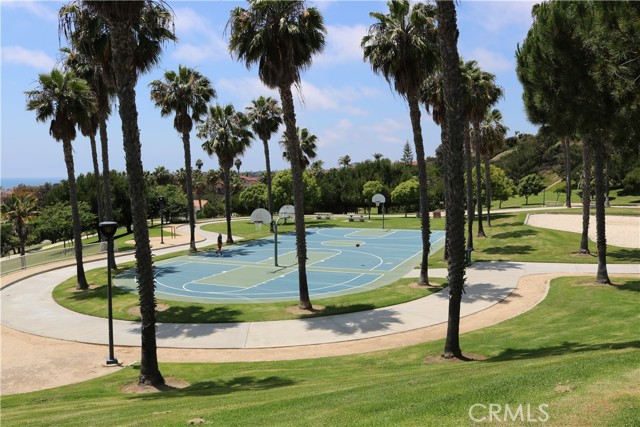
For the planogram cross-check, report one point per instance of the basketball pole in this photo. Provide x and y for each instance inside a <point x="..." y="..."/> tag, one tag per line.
<point x="275" y="238"/>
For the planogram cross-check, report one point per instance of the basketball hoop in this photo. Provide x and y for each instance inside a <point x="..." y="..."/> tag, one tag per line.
<point x="260" y="216"/>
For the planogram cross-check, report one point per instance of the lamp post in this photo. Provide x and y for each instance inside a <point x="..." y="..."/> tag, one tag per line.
<point x="108" y="229"/>
<point x="161" y="200"/>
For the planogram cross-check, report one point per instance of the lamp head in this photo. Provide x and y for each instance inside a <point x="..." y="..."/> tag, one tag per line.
<point x="108" y="228"/>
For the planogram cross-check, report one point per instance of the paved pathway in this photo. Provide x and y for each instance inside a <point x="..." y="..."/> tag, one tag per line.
<point x="27" y="306"/>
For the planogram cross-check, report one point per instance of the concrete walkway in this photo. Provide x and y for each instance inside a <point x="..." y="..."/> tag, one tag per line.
<point x="27" y="306"/>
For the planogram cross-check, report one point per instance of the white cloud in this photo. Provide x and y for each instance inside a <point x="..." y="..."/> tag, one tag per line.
<point x="196" y="38"/>
<point x="343" y="45"/>
<point x="340" y="132"/>
<point x="243" y="90"/>
<point x="496" y="15"/>
<point x="34" y="58"/>
<point x="490" y="61"/>
<point x="34" y="8"/>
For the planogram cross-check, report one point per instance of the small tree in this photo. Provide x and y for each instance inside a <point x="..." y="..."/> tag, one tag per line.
<point x="370" y="188"/>
<point x="253" y="197"/>
<point x="530" y="185"/>
<point x="407" y="193"/>
<point x="407" y="155"/>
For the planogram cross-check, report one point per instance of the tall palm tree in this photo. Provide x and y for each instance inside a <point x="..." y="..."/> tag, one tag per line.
<point x="83" y="68"/>
<point x="492" y="132"/>
<point x="90" y="32"/>
<point x="455" y="122"/>
<point x="137" y="31"/>
<point x="481" y="93"/>
<point x="20" y="212"/>
<point x="227" y="135"/>
<point x="308" y="147"/>
<point x="402" y="47"/>
<point x="68" y="101"/>
<point x="282" y="37"/>
<point x="185" y="93"/>
<point x="266" y="118"/>
<point x="237" y="163"/>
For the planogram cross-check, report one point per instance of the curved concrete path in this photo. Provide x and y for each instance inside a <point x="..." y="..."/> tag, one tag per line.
<point x="27" y="306"/>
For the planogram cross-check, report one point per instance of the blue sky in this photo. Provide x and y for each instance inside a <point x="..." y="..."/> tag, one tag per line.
<point x="350" y="109"/>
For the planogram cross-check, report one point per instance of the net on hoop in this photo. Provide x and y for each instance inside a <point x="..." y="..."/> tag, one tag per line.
<point x="258" y="225"/>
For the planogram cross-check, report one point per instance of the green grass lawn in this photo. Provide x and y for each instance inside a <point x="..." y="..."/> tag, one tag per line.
<point x="616" y="197"/>
<point x="576" y="352"/>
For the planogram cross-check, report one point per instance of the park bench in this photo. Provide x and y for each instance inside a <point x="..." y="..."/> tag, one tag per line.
<point x="323" y="215"/>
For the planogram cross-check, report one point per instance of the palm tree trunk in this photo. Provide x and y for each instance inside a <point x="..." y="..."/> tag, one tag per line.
<point x="126" y="80"/>
<point x="444" y="138"/>
<point x="189" y="186"/>
<point x="586" y="197"/>
<point x="267" y="161"/>
<point x="602" y="275"/>
<point x="487" y="187"/>
<point x="226" y="171"/>
<point x="567" y="168"/>
<point x="293" y="148"/>
<point x="607" y="166"/>
<point x="467" y="162"/>
<point x="106" y="176"/>
<point x="81" y="280"/>
<point x="452" y="90"/>
<point x="96" y="173"/>
<point x="477" y="150"/>
<point x="414" y="113"/>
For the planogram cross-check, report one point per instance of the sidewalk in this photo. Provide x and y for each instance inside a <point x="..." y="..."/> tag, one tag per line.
<point x="28" y="307"/>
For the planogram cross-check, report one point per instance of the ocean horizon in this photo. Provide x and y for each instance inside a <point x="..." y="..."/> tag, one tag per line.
<point x="12" y="182"/>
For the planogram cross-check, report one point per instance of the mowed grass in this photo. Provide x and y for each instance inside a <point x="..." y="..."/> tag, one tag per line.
<point x="576" y="352"/>
<point x="94" y="302"/>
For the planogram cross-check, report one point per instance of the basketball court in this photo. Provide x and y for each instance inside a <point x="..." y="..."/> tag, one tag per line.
<point x="340" y="261"/>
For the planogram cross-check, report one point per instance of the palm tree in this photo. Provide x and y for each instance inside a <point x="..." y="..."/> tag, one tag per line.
<point x="199" y="164"/>
<point x="402" y="47"/>
<point x="68" y="101"/>
<point x="492" y="132"/>
<point x="266" y="118"/>
<point x="455" y="122"/>
<point x="227" y="135"/>
<point x="88" y="34"/>
<point x="482" y="93"/>
<point x="344" y="161"/>
<point x="90" y="31"/>
<point x="282" y="37"/>
<point x="20" y="212"/>
<point x="377" y="156"/>
<point x="308" y="147"/>
<point x="185" y="93"/>
<point x="83" y="68"/>
<point x="137" y="30"/>
<point x="237" y="163"/>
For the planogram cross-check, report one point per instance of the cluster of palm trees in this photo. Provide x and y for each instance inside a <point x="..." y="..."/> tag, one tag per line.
<point x="112" y="43"/>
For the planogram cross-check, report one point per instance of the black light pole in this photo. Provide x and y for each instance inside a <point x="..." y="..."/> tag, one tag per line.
<point x="108" y="229"/>
<point x="161" y="200"/>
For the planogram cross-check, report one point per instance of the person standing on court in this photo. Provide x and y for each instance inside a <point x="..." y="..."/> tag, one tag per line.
<point x="219" y="251"/>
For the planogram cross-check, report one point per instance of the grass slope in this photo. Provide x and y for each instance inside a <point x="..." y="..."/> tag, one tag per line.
<point x="577" y="352"/>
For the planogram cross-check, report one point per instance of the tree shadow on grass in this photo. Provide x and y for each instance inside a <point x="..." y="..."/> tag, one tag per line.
<point x="509" y="250"/>
<point x="515" y="234"/>
<point x="217" y="388"/>
<point x="633" y="286"/>
<point x="198" y="314"/>
<point x="623" y="255"/>
<point x="558" y="350"/>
